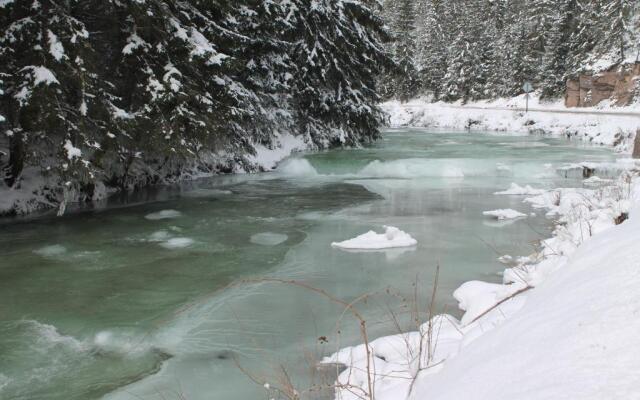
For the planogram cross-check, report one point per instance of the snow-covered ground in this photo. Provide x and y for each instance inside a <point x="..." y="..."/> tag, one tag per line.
<point x="604" y="124"/>
<point x="562" y="325"/>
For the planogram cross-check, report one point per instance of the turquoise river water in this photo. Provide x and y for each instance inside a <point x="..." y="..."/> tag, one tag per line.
<point x="163" y="296"/>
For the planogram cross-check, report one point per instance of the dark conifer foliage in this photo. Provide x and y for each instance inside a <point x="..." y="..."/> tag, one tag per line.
<point x="480" y="49"/>
<point x="130" y="92"/>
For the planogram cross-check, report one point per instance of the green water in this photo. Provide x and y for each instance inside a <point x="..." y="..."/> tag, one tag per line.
<point x="109" y="303"/>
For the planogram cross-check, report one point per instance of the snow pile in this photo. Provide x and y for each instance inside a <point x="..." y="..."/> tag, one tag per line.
<point x="391" y="238"/>
<point x="560" y="326"/>
<point x="517" y="190"/>
<point x="608" y="126"/>
<point x="504" y="214"/>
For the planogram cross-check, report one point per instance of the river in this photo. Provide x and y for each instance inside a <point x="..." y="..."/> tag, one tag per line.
<point x="164" y="296"/>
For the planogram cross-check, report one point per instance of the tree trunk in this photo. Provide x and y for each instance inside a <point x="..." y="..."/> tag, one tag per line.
<point x="16" y="159"/>
<point x="636" y="145"/>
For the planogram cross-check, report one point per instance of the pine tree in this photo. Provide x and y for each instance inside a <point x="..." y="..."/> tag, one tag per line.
<point x="406" y="81"/>
<point x="618" y="14"/>
<point x="560" y="50"/>
<point x="42" y="56"/>
<point x="339" y="55"/>
<point x="431" y="46"/>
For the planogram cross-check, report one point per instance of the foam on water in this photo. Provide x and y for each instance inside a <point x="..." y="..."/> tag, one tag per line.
<point x="177" y="243"/>
<point x="51" y="251"/>
<point x="159" y="236"/>
<point x="4" y="381"/>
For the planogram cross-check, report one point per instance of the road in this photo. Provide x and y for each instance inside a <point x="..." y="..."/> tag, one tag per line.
<point x="540" y="110"/>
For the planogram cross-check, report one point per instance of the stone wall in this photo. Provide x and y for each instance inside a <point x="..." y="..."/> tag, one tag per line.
<point x="617" y="84"/>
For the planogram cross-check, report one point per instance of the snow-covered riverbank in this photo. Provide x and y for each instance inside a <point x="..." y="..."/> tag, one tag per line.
<point x="562" y="325"/>
<point x="37" y="191"/>
<point x="604" y="125"/>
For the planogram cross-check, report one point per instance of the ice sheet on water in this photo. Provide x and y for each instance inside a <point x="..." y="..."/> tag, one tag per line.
<point x="269" y="238"/>
<point x="164" y="214"/>
<point x="504" y="214"/>
<point x="517" y="190"/>
<point x="198" y="193"/>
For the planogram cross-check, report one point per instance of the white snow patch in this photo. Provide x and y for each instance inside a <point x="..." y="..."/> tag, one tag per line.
<point x="72" y="152"/>
<point x="55" y="47"/>
<point x="391" y="238"/>
<point x="285" y="144"/>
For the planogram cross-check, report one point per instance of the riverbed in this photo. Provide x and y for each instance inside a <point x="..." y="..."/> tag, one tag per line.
<point x="172" y="293"/>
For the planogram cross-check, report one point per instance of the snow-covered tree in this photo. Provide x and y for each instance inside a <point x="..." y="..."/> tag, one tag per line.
<point x="338" y="54"/>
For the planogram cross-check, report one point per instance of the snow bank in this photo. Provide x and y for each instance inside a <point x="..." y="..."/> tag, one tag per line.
<point x="561" y="326"/>
<point x="504" y="214"/>
<point x="602" y="125"/>
<point x="517" y="190"/>
<point x="393" y="237"/>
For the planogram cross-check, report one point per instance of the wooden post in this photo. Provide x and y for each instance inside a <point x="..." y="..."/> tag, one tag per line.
<point x="636" y="145"/>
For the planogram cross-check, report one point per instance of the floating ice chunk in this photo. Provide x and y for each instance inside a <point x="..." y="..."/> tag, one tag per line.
<point x="393" y="237"/>
<point x="164" y="214"/>
<point x="269" y="238"/>
<point x="177" y="243"/>
<point x="517" y="190"/>
<point x="51" y="251"/>
<point x="504" y="214"/>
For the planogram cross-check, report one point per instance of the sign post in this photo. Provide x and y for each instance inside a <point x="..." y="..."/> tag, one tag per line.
<point x="528" y="88"/>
